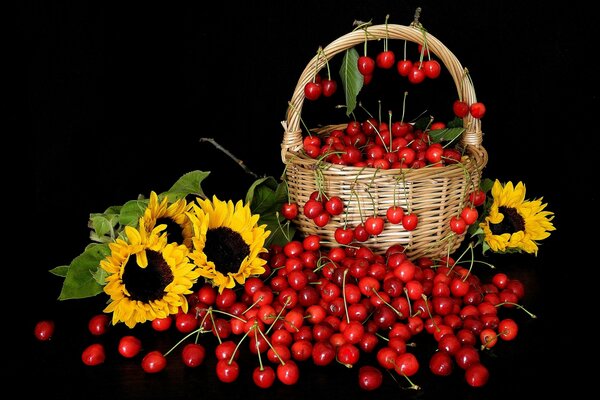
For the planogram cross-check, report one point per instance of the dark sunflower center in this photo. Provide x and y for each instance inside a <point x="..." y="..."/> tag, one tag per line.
<point x="226" y="248"/>
<point x="512" y="222"/>
<point x="174" y="231"/>
<point x="147" y="284"/>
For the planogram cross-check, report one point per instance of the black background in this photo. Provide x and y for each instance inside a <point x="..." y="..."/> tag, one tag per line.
<point x="118" y="96"/>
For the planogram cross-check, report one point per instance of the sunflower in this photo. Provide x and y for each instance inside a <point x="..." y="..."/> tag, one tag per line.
<point x="513" y="223"/>
<point x="178" y="225"/>
<point x="227" y="242"/>
<point x="147" y="278"/>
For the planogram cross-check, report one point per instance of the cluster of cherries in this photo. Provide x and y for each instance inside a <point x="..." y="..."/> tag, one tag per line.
<point x="336" y="306"/>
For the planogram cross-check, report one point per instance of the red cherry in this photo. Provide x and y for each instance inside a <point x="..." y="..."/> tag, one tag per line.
<point x="432" y="68"/>
<point x="312" y="208"/>
<point x="477" y="110"/>
<point x="406" y="364"/>
<point x="264" y="377"/>
<point x="344" y="235"/>
<point x="404" y="67"/>
<point x="410" y="221"/>
<point x="386" y="59"/>
<point x="508" y="329"/>
<point x="437" y="125"/>
<point x="311" y="243"/>
<point x="434" y="153"/>
<point x="227" y="371"/>
<point x="289" y="210"/>
<point x="129" y="346"/>
<point x="477" y="375"/>
<point x="469" y="215"/>
<point x="394" y="214"/>
<point x="334" y="205"/>
<point x="360" y="233"/>
<point x="193" y="354"/>
<point x="44" y="330"/>
<point x="288" y="373"/>
<point x="369" y="377"/>
<point x="329" y="87"/>
<point x="186" y="322"/>
<point x="477" y="197"/>
<point x="366" y="65"/>
<point x="374" y="225"/>
<point x="98" y="324"/>
<point x="162" y="324"/>
<point x="441" y="363"/>
<point x="416" y="75"/>
<point x="458" y="225"/>
<point x="312" y="90"/>
<point x="460" y="108"/>
<point x="93" y="355"/>
<point x="322" y="219"/>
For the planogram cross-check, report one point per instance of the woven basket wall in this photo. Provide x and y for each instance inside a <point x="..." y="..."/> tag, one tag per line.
<point x="434" y="194"/>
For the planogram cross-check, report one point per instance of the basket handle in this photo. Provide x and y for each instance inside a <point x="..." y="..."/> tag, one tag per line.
<point x="292" y="138"/>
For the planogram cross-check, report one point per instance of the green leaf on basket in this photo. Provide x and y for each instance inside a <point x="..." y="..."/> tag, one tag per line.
<point x="352" y="79"/>
<point x="422" y="123"/>
<point x="189" y="183"/>
<point x="455" y="123"/>
<point x="82" y="276"/>
<point x="445" y="135"/>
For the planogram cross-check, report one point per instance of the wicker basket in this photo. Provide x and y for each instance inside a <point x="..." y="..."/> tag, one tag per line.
<point x="434" y="194"/>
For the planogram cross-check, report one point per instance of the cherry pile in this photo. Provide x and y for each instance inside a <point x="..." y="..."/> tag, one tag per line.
<point x="340" y="305"/>
<point x="375" y="144"/>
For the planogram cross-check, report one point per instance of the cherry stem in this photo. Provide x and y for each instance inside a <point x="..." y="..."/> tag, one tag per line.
<point x="280" y="227"/>
<point x="344" y="295"/>
<point x="437" y="328"/>
<point x="287" y="302"/>
<point x="271" y="347"/>
<point x="237" y="346"/>
<point x="412" y="385"/>
<point x="518" y="306"/>
<point x="404" y="101"/>
<point x="314" y="79"/>
<point x="408" y="300"/>
<point x="195" y="331"/>
<point x="387" y="34"/>
<point x="397" y="312"/>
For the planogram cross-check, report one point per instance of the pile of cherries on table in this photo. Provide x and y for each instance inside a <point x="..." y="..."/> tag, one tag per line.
<point x="341" y="306"/>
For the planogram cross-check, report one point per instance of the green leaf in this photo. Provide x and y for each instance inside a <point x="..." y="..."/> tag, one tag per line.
<point x="422" y="123"/>
<point x="80" y="281"/>
<point x="101" y="224"/>
<point x="352" y="79"/>
<point x="61" y="270"/>
<point x="486" y="184"/>
<point x="189" y="183"/>
<point x="132" y="211"/>
<point x="446" y="134"/>
<point x="455" y="123"/>
<point x="265" y="195"/>
<point x="281" y="232"/>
